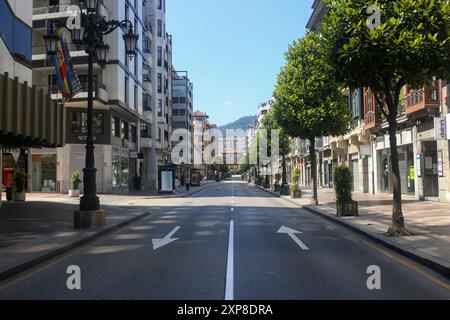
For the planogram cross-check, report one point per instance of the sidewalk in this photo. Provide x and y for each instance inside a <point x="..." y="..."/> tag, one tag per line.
<point x="42" y="227"/>
<point x="429" y="221"/>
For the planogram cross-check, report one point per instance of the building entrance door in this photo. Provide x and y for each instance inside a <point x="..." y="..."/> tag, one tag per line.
<point x="431" y="170"/>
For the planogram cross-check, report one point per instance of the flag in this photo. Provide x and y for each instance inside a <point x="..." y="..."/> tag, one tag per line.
<point x="67" y="79"/>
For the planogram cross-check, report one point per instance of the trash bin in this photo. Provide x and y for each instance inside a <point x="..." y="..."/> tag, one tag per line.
<point x="137" y="183"/>
<point x="9" y="193"/>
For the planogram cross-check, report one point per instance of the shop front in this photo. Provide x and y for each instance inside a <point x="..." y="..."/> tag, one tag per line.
<point x="406" y="159"/>
<point x="43" y="170"/>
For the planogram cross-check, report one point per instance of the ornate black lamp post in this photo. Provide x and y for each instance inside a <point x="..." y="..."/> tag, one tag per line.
<point x="89" y="36"/>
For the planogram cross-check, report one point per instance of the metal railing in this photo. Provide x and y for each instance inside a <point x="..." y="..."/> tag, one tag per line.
<point x="53" y="89"/>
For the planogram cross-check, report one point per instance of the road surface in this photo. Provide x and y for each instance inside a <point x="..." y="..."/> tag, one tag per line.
<point x="230" y="241"/>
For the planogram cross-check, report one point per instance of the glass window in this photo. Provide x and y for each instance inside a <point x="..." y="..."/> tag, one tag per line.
<point x="7" y="25"/>
<point x="120" y="172"/>
<point x="78" y="123"/>
<point x="22" y="42"/>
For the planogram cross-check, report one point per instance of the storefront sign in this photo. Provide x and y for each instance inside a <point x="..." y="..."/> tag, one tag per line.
<point x="440" y="128"/>
<point x="419" y="165"/>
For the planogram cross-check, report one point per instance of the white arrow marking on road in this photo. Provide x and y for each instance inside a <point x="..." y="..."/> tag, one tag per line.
<point x="158" y="243"/>
<point x="292" y="233"/>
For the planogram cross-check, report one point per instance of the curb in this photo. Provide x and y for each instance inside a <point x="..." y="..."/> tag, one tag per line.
<point x="23" y="266"/>
<point x="431" y="262"/>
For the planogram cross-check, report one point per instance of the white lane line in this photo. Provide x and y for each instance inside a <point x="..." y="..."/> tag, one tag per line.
<point x="232" y="209"/>
<point x="229" y="286"/>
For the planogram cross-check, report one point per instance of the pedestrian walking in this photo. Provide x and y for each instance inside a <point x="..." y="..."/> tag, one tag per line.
<point x="188" y="184"/>
<point x="177" y="185"/>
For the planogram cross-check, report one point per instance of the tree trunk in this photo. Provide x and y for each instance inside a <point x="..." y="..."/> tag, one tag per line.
<point x="283" y="164"/>
<point x="312" y="153"/>
<point x="398" y="220"/>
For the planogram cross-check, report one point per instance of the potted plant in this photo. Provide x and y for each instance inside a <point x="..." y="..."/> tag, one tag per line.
<point x="75" y="181"/>
<point x="277" y="185"/>
<point x="296" y="193"/>
<point x="20" y="180"/>
<point x="343" y="187"/>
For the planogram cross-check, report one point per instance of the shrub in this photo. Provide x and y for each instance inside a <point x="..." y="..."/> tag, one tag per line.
<point x="295" y="176"/>
<point x="343" y="182"/>
<point x="277" y="178"/>
<point x="20" y="179"/>
<point x="75" y="180"/>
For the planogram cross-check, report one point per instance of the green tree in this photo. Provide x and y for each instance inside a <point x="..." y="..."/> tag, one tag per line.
<point x="407" y="43"/>
<point x="269" y="123"/>
<point x="308" y="101"/>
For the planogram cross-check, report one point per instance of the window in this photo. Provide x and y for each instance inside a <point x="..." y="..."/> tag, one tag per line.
<point x="133" y="133"/>
<point x="126" y="90"/>
<point x="159" y="55"/>
<point x="159" y="4"/>
<point x="125" y="130"/>
<point x="159" y="28"/>
<point x="146" y="101"/>
<point x="160" y="111"/>
<point x="78" y="123"/>
<point x="159" y="83"/>
<point x="159" y="135"/>
<point x="146" y="131"/>
<point x="16" y="35"/>
<point x="116" y="127"/>
<point x="136" y="97"/>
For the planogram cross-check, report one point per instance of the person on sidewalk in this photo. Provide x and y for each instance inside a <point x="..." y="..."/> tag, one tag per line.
<point x="188" y="184"/>
<point x="177" y="185"/>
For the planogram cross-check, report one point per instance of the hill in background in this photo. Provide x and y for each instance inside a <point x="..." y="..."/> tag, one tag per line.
<point x="241" y="123"/>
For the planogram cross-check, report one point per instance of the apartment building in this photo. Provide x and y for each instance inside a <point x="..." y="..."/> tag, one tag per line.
<point x="119" y="93"/>
<point x="158" y="92"/>
<point x="183" y="126"/>
<point x="206" y="145"/>
<point x="28" y="118"/>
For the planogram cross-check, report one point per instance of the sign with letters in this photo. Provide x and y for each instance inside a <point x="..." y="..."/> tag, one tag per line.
<point x="440" y="128"/>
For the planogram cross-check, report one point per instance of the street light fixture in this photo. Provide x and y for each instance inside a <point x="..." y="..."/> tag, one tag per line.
<point x="90" y="36"/>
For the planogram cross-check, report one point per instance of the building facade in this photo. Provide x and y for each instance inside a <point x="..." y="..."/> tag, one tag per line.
<point x="183" y="126"/>
<point x="119" y="97"/>
<point x="423" y="140"/>
<point x="28" y="117"/>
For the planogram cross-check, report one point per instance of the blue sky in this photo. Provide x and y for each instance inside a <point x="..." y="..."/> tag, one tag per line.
<point x="233" y="49"/>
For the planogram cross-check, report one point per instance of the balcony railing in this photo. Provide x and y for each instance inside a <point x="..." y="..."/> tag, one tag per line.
<point x="43" y="7"/>
<point x="422" y="99"/>
<point x="38" y="50"/>
<point x="84" y="88"/>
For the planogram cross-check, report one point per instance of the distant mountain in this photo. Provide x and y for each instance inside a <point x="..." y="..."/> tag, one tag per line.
<point x="241" y="123"/>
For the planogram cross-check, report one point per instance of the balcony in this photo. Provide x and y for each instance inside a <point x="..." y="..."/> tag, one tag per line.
<point x="79" y="56"/>
<point x="43" y="11"/>
<point x="425" y="100"/>
<point x="100" y="92"/>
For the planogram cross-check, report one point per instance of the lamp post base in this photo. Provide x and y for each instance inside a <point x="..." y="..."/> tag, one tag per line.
<point x="89" y="219"/>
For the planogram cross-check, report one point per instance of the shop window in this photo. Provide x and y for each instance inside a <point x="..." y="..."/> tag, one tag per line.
<point x="120" y="171"/>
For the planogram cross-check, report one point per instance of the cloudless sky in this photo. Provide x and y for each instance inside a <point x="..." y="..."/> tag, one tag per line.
<point x="233" y="49"/>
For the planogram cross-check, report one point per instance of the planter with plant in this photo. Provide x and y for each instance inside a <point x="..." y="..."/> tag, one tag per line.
<point x="75" y="182"/>
<point x="277" y="185"/>
<point x="20" y="181"/>
<point x="296" y="193"/>
<point x="343" y="187"/>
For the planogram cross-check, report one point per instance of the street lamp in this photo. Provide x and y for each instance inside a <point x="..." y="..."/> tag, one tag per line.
<point x="90" y="36"/>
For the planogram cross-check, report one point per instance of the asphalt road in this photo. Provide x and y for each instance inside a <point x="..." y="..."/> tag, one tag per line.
<point x="224" y="243"/>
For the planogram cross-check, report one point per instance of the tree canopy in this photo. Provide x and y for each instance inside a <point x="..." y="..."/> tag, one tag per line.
<point x="308" y="100"/>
